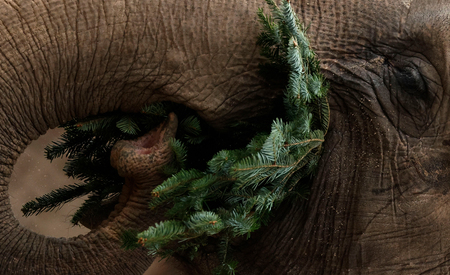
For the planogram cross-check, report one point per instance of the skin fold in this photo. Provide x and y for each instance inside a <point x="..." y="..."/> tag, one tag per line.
<point x="379" y="201"/>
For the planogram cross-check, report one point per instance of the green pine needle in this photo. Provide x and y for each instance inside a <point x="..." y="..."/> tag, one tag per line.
<point x="54" y="200"/>
<point x="157" y="109"/>
<point x="128" y="126"/>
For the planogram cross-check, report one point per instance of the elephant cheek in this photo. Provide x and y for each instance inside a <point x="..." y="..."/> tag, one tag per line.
<point x="433" y="170"/>
<point x="422" y="190"/>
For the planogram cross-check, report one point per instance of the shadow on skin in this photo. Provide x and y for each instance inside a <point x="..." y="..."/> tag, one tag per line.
<point x="163" y="267"/>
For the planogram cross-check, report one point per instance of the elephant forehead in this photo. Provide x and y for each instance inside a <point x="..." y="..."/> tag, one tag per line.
<point x="430" y="12"/>
<point x="106" y="56"/>
<point x="428" y="23"/>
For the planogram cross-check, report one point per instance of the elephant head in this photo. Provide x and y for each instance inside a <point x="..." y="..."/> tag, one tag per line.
<point x="67" y="59"/>
<point x="378" y="202"/>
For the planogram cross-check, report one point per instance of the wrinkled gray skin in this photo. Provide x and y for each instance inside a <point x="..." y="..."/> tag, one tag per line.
<point x="379" y="202"/>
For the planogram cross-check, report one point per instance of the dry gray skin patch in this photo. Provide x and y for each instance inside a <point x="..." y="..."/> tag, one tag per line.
<point x="34" y="176"/>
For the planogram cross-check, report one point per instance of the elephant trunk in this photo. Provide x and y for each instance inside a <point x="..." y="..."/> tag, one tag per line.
<point x="25" y="252"/>
<point x="98" y="252"/>
<point x="61" y="60"/>
<point x="141" y="162"/>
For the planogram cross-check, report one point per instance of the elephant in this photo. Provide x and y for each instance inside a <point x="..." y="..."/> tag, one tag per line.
<point x="377" y="203"/>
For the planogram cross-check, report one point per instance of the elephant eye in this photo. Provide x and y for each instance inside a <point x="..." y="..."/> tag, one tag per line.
<point x="411" y="82"/>
<point x="410" y="93"/>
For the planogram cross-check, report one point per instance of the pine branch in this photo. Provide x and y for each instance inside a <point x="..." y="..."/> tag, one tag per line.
<point x="241" y="188"/>
<point x="87" y="144"/>
<point x="127" y="125"/>
<point x="156" y="110"/>
<point x="93" y="203"/>
<point x="54" y="199"/>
